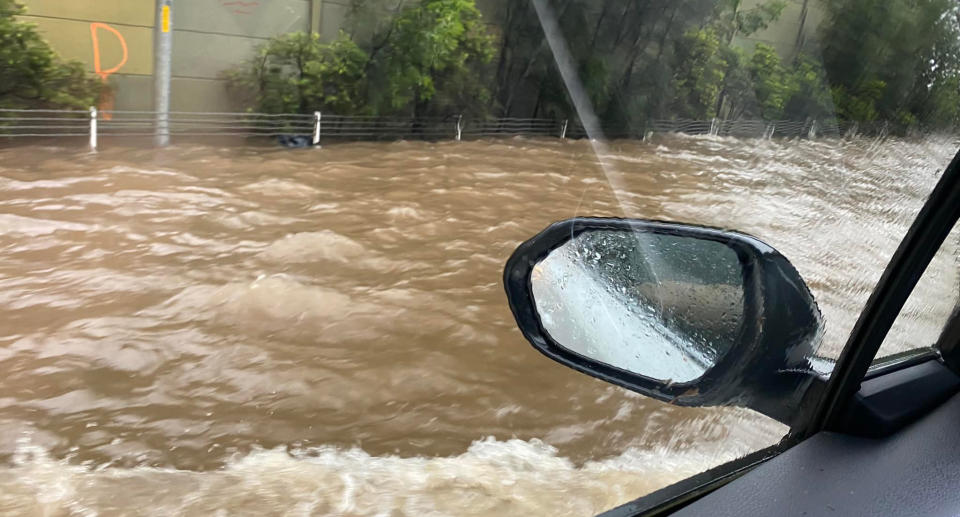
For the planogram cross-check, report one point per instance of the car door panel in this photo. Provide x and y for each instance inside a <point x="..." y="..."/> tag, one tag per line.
<point x="912" y="472"/>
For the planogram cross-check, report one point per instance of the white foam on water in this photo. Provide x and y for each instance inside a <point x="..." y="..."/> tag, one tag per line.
<point x="492" y="478"/>
<point x="33" y="227"/>
<point x="321" y="246"/>
<point x="404" y="213"/>
<point x="284" y="305"/>
<point x="12" y="185"/>
<point x="278" y="304"/>
<point x="126" y="169"/>
<point x="491" y="175"/>
<point x="684" y="156"/>
<point x="280" y="187"/>
<point x="251" y="219"/>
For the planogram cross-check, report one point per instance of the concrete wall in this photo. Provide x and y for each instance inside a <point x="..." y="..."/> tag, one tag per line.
<point x="209" y="36"/>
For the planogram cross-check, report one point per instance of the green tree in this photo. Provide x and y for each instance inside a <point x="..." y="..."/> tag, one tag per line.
<point x="31" y="73"/>
<point x="737" y="99"/>
<point x="637" y="60"/>
<point x="810" y="92"/>
<point x="297" y="73"/>
<point x="757" y="18"/>
<point x="431" y="59"/>
<point x="761" y="85"/>
<point x="699" y="75"/>
<point x="942" y="108"/>
<point x="772" y="84"/>
<point x="892" y="60"/>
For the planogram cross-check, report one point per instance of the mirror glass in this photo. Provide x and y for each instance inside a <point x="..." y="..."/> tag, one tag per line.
<point x="666" y="307"/>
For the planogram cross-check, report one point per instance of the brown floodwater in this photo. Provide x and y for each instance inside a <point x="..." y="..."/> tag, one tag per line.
<point x="210" y="329"/>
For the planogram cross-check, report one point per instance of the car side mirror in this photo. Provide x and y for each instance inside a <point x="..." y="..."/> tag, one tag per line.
<point x="690" y="315"/>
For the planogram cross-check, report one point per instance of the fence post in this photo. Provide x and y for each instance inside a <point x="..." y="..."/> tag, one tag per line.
<point x="459" y="126"/>
<point x="852" y="132"/>
<point x="771" y="129"/>
<point x="93" y="128"/>
<point x="563" y="130"/>
<point x="316" y="127"/>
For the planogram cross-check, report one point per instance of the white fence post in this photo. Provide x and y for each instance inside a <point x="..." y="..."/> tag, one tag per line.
<point x="714" y="127"/>
<point x="93" y="128"/>
<point x="459" y="126"/>
<point x="316" y="127"/>
<point x="852" y="132"/>
<point x="563" y="130"/>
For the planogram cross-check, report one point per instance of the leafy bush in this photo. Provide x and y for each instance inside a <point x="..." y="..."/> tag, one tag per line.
<point x="297" y="73"/>
<point x="860" y="102"/>
<point x="426" y="61"/>
<point x="31" y="73"/>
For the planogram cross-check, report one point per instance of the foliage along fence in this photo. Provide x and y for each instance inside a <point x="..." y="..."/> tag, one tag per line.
<point x="318" y="128"/>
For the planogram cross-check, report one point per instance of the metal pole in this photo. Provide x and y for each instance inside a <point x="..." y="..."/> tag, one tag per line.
<point x="163" y="48"/>
<point x="563" y="130"/>
<point x="316" y="16"/>
<point x="316" y="127"/>
<point x="93" y="128"/>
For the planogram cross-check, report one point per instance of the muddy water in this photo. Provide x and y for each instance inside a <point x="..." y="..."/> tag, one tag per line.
<point x="319" y="332"/>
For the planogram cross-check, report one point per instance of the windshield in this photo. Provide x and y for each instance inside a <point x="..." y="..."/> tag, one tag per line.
<point x="252" y="251"/>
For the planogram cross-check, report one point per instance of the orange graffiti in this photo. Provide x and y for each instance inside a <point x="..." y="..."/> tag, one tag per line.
<point x="96" y="49"/>
<point x="106" y="96"/>
<point x="239" y="6"/>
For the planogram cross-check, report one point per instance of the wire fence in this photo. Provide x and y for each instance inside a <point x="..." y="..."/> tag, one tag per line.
<point x="316" y="128"/>
<point x="193" y="124"/>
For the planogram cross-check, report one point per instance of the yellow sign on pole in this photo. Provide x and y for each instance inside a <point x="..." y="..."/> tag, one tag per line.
<point x="165" y="21"/>
<point x="163" y="48"/>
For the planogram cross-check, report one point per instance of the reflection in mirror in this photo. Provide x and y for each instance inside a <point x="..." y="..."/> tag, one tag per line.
<point x="663" y="306"/>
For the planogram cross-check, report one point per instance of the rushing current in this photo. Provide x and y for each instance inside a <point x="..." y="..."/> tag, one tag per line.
<point x="208" y="330"/>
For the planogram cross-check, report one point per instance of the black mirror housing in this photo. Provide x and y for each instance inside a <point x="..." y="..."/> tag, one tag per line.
<point x="767" y="368"/>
